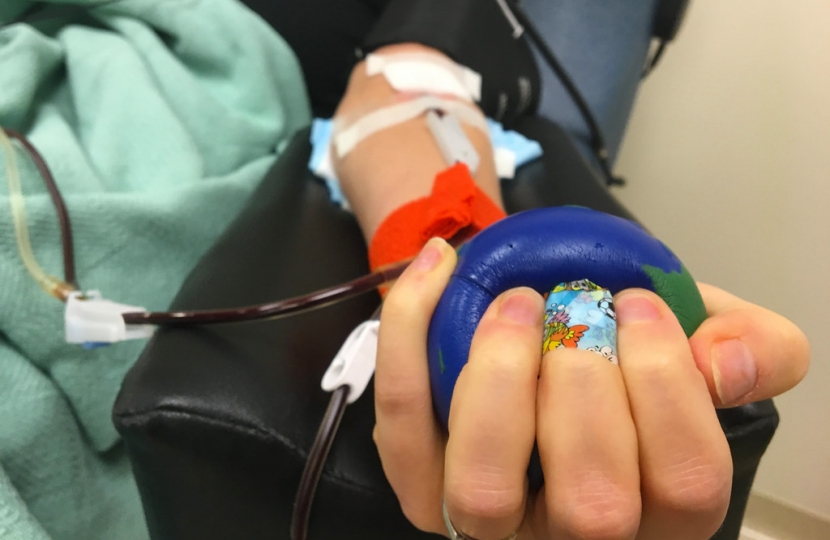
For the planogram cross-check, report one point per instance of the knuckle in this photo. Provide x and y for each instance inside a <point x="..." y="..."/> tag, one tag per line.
<point x="608" y="513"/>
<point x="484" y="501"/>
<point x="606" y="525"/>
<point x="698" y="489"/>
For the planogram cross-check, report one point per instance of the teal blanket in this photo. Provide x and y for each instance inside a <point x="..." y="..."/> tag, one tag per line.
<point x="157" y="118"/>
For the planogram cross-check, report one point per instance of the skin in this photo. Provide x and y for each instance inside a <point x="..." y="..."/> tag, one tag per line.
<point x="629" y="452"/>
<point x="397" y="165"/>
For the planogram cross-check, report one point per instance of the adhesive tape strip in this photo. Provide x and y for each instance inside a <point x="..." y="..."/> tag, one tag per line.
<point x="425" y="72"/>
<point x="345" y="139"/>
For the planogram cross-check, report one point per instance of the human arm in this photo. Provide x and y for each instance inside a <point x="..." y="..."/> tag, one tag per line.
<point x="685" y="432"/>
<point x="399" y="164"/>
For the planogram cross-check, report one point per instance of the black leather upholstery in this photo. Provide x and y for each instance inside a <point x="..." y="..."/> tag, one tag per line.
<point x="218" y="420"/>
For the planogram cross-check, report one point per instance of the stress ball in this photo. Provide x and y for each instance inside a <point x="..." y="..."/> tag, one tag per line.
<point x="540" y="249"/>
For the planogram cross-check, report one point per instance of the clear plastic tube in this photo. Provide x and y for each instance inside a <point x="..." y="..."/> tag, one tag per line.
<point x="48" y="283"/>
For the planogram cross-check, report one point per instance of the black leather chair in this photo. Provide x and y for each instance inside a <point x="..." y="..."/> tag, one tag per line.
<point x="218" y="420"/>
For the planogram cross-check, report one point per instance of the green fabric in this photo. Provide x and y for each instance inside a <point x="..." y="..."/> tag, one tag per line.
<point x="157" y="118"/>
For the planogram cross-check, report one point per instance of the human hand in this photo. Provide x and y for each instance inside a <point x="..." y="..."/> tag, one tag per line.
<point x="634" y="451"/>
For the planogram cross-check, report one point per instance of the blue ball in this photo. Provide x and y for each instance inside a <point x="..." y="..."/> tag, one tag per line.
<point x="540" y="249"/>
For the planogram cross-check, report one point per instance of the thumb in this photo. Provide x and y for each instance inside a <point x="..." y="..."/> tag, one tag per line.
<point x="745" y="352"/>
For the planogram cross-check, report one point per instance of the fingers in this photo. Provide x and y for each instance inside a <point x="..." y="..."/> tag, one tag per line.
<point x="588" y="447"/>
<point x="409" y="441"/>
<point x="745" y="352"/>
<point x="685" y="463"/>
<point x="492" y="421"/>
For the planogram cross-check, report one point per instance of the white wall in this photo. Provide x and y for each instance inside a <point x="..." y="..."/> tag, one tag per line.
<point x="728" y="161"/>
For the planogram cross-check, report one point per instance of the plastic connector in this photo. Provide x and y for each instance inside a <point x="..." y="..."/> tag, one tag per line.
<point x="92" y="320"/>
<point x="354" y="364"/>
<point x="453" y="143"/>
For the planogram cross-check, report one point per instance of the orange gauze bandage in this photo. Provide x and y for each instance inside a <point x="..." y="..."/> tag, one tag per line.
<point x="456" y="204"/>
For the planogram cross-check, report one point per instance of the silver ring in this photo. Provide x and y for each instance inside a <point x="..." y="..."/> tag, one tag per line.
<point x="456" y="535"/>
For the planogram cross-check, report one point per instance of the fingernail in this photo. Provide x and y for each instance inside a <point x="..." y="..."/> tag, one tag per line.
<point x="634" y="307"/>
<point x="522" y="307"/>
<point x="734" y="370"/>
<point x="429" y="257"/>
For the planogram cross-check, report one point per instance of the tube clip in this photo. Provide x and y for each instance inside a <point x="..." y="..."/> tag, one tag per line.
<point x="94" y="321"/>
<point x="354" y="364"/>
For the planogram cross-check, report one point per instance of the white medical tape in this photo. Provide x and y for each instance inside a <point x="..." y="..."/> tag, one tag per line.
<point x="345" y="139"/>
<point x="425" y="72"/>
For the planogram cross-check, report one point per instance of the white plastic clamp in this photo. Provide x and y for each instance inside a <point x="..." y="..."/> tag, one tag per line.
<point x="453" y="143"/>
<point x="354" y="364"/>
<point x="91" y="319"/>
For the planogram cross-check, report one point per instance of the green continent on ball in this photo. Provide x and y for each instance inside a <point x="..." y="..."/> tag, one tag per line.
<point x="680" y="292"/>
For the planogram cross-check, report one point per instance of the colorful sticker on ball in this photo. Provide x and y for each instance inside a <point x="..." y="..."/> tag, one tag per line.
<point x="580" y="315"/>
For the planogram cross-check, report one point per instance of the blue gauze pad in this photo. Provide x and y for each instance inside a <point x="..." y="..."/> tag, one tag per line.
<point x="510" y="148"/>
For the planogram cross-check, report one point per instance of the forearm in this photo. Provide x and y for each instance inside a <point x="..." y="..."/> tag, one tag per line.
<point x="397" y="165"/>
